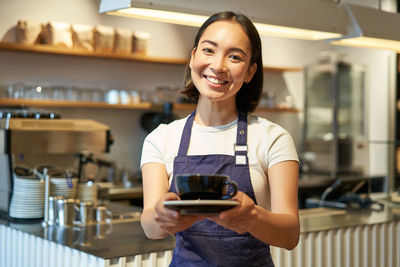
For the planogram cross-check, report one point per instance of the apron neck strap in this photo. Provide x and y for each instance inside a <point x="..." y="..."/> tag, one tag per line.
<point x="241" y="133"/>
<point x="185" y="139"/>
<point x="241" y="140"/>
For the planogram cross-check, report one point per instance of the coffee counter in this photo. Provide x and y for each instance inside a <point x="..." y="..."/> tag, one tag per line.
<point x="100" y="244"/>
<point x="121" y="240"/>
<point x="326" y="236"/>
<point x="345" y="238"/>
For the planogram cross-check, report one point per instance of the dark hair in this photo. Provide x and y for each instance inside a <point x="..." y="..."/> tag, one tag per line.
<point x="249" y="95"/>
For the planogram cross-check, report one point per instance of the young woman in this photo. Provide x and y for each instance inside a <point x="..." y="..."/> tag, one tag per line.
<point x="225" y="76"/>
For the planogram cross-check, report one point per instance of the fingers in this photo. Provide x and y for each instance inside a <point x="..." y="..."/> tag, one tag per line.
<point x="245" y="205"/>
<point x="171" y="196"/>
<point x="170" y="220"/>
<point x="162" y="211"/>
<point x="178" y="224"/>
<point x="240" y="218"/>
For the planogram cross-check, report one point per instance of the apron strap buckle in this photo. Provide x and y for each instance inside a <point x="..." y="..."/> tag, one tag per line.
<point x="240" y="154"/>
<point x="237" y="147"/>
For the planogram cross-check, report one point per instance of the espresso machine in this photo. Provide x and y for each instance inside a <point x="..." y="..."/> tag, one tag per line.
<point x="35" y="138"/>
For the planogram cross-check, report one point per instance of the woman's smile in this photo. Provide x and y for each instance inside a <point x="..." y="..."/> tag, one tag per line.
<point x="215" y="80"/>
<point x="221" y="62"/>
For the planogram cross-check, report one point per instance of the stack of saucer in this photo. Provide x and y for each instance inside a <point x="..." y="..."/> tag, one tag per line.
<point x="27" y="201"/>
<point x="87" y="192"/>
<point x="64" y="187"/>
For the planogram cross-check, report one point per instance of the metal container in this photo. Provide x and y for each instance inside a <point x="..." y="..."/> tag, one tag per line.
<point x="52" y="219"/>
<point x="102" y="214"/>
<point x="66" y="212"/>
<point x="86" y="212"/>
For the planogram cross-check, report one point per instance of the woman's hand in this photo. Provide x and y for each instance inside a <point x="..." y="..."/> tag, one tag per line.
<point x="170" y="220"/>
<point x="240" y="218"/>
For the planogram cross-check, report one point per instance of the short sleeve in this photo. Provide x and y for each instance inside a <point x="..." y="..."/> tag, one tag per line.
<point x="282" y="148"/>
<point x="153" y="147"/>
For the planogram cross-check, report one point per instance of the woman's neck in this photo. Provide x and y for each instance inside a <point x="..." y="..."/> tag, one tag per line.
<point x="209" y="113"/>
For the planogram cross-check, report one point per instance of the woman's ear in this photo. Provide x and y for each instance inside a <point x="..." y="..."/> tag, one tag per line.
<point x="191" y="57"/>
<point x="250" y="73"/>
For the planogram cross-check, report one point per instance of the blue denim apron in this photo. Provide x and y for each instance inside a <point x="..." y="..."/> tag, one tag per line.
<point x="206" y="243"/>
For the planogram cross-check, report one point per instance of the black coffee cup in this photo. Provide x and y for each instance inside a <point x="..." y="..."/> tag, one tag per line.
<point x="204" y="186"/>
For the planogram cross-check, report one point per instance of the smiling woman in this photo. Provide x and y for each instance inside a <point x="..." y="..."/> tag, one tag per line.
<point x="245" y="48"/>
<point x="221" y="64"/>
<point x="224" y="76"/>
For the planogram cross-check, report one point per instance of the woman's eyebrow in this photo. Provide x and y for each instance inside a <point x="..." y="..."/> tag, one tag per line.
<point x="210" y="42"/>
<point x="236" y="49"/>
<point x="233" y="49"/>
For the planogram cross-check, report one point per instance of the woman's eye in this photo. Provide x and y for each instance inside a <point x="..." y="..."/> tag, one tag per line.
<point x="236" y="57"/>
<point x="207" y="50"/>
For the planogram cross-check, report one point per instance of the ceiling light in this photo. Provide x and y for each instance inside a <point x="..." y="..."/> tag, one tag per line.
<point x="306" y="19"/>
<point x="371" y="28"/>
<point x="160" y="15"/>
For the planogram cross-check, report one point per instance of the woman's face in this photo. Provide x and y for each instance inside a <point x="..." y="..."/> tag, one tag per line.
<point x="221" y="62"/>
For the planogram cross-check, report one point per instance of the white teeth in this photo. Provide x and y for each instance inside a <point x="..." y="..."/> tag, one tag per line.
<point x="214" y="80"/>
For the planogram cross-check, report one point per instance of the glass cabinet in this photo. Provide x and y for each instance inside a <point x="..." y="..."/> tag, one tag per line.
<point x="334" y="139"/>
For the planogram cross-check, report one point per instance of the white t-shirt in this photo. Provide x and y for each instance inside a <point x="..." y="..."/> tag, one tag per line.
<point x="267" y="142"/>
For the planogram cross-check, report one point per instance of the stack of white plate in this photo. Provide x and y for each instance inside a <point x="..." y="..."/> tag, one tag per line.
<point x="64" y="187"/>
<point x="87" y="192"/>
<point x="27" y="201"/>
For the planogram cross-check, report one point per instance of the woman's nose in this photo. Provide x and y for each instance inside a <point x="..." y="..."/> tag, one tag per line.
<point x="218" y="63"/>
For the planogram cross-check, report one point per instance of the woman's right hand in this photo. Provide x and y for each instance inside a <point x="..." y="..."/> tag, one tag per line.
<point x="170" y="220"/>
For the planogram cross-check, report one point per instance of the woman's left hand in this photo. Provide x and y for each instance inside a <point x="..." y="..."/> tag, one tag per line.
<point x="240" y="218"/>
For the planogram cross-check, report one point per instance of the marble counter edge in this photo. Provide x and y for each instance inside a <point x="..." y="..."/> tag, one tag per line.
<point x="128" y="239"/>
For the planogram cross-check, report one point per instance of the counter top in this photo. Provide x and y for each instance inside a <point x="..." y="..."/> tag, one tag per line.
<point x="127" y="238"/>
<point x="320" y="219"/>
<point x="102" y="240"/>
<point x="122" y="237"/>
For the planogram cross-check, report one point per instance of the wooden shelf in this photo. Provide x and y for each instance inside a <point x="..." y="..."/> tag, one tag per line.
<point x="282" y="69"/>
<point x="179" y="106"/>
<point x="47" y="49"/>
<point x="278" y="109"/>
<point x="9" y="102"/>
